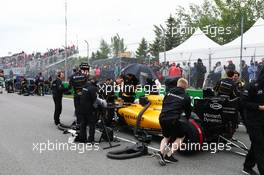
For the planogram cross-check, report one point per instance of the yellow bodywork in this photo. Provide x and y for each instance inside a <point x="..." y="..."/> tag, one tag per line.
<point x="150" y="118"/>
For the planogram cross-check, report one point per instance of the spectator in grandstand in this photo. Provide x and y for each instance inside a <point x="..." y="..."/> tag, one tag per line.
<point x="252" y="70"/>
<point x="260" y="67"/>
<point x="201" y="71"/>
<point x="179" y="66"/>
<point x="230" y="67"/>
<point x="193" y="75"/>
<point x="244" y="72"/>
<point x="186" y="70"/>
<point x="174" y="71"/>
<point x="117" y="71"/>
<point x="164" y="71"/>
<point x="217" y="74"/>
<point x="97" y="72"/>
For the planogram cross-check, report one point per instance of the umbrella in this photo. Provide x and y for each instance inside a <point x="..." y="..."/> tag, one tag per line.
<point x="139" y="70"/>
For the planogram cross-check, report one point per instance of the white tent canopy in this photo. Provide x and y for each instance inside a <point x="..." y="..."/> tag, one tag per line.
<point x="197" y="46"/>
<point x="200" y="46"/>
<point x="252" y="37"/>
<point x="253" y="46"/>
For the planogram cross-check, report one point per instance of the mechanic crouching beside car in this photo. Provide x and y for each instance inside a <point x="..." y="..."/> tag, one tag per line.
<point x="253" y="103"/>
<point x="176" y="108"/>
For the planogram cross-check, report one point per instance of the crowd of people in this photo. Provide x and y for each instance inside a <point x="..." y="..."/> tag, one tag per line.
<point x="227" y="83"/>
<point x="39" y="85"/>
<point x="22" y="59"/>
<point x="248" y="72"/>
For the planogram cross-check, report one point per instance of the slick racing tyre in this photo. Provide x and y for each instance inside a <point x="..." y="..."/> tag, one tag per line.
<point x="193" y="139"/>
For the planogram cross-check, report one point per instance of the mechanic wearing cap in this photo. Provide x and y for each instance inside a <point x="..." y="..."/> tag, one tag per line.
<point x="89" y="103"/>
<point x="57" y="93"/>
<point x="227" y="87"/>
<point x="253" y="103"/>
<point x="176" y="107"/>
<point x="77" y="82"/>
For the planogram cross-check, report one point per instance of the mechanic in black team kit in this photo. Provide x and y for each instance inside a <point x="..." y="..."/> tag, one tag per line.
<point x="227" y="87"/>
<point x="77" y="82"/>
<point x="176" y="107"/>
<point x="57" y="93"/>
<point x="253" y="103"/>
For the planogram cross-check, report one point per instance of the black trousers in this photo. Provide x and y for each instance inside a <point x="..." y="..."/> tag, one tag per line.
<point x="58" y="108"/>
<point x="110" y="116"/>
<point x="77" y="104"/>
<point x="87" y="120"/>
<point x="199" y="83"/>
<point x="256" y="152"/>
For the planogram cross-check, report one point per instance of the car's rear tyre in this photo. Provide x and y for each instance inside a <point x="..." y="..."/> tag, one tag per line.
<point x="193" y="139"/>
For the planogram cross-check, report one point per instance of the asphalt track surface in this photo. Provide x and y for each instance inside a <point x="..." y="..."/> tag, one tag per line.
<point x="26" y="121"/>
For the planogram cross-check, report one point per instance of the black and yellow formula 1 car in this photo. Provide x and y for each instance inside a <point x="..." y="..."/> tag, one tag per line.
<point x="213" y="119"/>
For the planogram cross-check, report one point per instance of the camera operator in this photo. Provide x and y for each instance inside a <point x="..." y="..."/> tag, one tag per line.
<point x="227" y="87"/>
<point x="253" y="103"/>
<point x="89" y="102"/>
<point x="77" y="82"/>
<point x="175" y="103"/>
<point x="57" y="93"/>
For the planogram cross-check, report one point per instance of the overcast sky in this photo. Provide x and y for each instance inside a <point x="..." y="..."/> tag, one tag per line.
<point x="36" y="25"/>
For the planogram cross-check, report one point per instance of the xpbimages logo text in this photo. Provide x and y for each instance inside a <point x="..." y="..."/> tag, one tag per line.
<point x="147" y="89"/>
<point x="56" y="146"/>
<point x="208" y="147"/>
<point x="213" y="31"/>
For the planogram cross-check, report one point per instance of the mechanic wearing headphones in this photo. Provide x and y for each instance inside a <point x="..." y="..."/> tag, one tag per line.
<point x="57" y="93"/>
<point x="77" y="82"/>
<point x="227" y="87"/>
<point x="176" y="103"/>
<point x="89" y="102"/>
<point x="253" y="103"/>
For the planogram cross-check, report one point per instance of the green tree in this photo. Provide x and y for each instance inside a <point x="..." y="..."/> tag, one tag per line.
<point x="98" y="55"/>
<point x="172" y="37"/>
<point x="104" y="50"/>
<point x="142" y="50"/>
<point x="210" y="16"/>
<point x="157" y="45"/>
<point x="117" y="45"/>
<point x="220" y="13"/>
<point x="93" y="56"/>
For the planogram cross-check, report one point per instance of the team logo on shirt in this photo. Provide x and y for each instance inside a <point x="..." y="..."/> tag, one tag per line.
<point x="260" y="92"/>
<point x="216" y="106"/>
